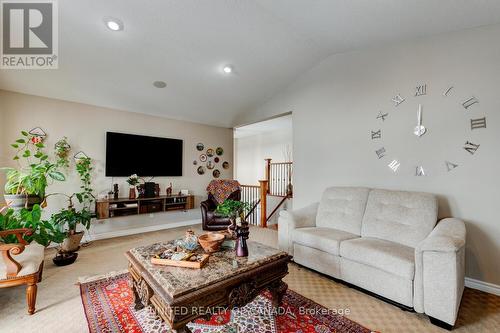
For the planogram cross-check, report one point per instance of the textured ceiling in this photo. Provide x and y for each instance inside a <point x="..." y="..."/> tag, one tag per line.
<point x="186" y="42"/>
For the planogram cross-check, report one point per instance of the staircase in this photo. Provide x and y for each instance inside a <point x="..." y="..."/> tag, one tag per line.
<point x="277" y="183"/>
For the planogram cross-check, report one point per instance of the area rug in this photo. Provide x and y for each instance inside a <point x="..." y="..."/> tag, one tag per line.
<point x="108" y="305"/>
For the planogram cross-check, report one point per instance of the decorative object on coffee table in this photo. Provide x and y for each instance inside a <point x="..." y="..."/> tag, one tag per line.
<point x="242" y="233"/>
<point x="225" y="281"/>
<point x="189" y="243"/>
<point x="211" y="242"/>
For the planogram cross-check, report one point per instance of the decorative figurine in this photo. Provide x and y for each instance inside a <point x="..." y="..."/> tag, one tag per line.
<point x="169" y="190"/>
<point x="189" y="242"/>
<point x="115" y="191"/>
<point x="157" y="190"/>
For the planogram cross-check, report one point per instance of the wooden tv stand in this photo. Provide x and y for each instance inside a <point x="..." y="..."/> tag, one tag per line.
<point x="107" y="208"/>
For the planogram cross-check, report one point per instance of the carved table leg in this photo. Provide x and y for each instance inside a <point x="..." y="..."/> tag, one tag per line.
<point x="278" y="290"/>
<point x="137" y="299"/>
<point x="184" y="329"/>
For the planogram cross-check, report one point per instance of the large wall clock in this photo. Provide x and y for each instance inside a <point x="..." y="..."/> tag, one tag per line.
<point x="406" y="128"/>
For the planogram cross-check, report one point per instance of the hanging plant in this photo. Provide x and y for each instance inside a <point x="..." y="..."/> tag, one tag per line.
<point x="62" y="149"/>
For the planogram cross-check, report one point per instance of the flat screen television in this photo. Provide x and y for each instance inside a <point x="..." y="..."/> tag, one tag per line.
<point x="128" y="154"/>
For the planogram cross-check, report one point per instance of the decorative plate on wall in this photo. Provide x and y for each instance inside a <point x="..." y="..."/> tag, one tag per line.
<point x="203" y="157"/>
<point x="210" y="165"/>
<point x="210" y="152"/>
<point x="195" y="162"/>
<point x="216" y="160"/>
<point x="200" y="146"/>
<point x="219" y="151"/>
<point x="225" y="165"/>
<point x="216" y="173"/>
<point x="201" y="170"/>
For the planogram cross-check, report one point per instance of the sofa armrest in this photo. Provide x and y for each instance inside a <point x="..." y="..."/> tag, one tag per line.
<point x="288" y="221"/>
<point x="440" y="271"/>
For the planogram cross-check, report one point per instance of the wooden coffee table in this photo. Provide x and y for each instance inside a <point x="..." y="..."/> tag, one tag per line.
<point x="180" y="295"/>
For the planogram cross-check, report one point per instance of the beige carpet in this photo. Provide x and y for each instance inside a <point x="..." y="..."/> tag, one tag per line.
<point x="59" y="308"/>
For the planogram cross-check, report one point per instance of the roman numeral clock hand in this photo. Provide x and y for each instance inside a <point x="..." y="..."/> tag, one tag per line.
<point x="419" y="129"/>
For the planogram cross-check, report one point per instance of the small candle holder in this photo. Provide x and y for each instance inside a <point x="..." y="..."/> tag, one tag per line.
<point x="242" y="233"/>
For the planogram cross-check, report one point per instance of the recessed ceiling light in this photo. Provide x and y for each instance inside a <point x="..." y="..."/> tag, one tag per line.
<point x="159" y="84"/>
<point x="228" y="69"/>
<point x="113" y="23"/>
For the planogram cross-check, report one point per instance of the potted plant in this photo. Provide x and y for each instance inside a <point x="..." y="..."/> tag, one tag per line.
<point x="133" y="181"/>
<point x="43" y="232"/>
<point x="68" y="219"/>
<point x="26" y="185"/>
<point x="238" y="229"/>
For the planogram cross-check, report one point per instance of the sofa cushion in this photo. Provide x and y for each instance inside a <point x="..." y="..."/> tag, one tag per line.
<point x="401" y="217"/>
<point x="30" y="260"/>
<point x="388" y="256"/>
<point x="342" y="208"/>
<point x="324" y="239"/>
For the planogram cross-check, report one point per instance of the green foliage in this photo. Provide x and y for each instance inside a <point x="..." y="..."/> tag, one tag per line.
<point x="44" y="232"/>
<point x="62" y="149"/>
<point x="70" y="218"/>
<point x="232" y="208"/>
<point x="31" y="177"/>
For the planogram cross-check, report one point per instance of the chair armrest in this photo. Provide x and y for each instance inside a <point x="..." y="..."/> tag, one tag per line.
<point x="440" y="271"/>
<point x="289" y="221"/>
<point x="19" y="233"/>
<point x="6" y="252"/>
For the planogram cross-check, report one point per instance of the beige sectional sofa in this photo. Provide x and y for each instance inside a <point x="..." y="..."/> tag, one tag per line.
<point x="386" y="242"/>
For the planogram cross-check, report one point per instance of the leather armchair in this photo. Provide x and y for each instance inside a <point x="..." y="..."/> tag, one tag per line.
<point x="210" y="220"/>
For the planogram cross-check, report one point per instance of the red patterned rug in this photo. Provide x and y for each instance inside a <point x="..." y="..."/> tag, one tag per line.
<point x="109" y="308"/>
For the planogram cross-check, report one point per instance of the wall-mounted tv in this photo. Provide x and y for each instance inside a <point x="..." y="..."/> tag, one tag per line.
<point x="128" y="154"/>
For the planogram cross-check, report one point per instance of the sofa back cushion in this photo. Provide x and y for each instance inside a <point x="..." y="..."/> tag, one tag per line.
<point x="342" y="208"/>
<point x="401" y="217"/>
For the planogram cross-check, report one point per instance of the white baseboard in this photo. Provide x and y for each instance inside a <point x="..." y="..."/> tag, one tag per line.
<point x="88" y="237"/>
<point x="483" y="286"/>
<point x="134" y="231"/>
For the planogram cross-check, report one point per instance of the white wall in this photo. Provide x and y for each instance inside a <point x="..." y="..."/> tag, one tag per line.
<point x="250" y="152"/>
<point x="335" y="106"/>
<point x="85" y="126"/>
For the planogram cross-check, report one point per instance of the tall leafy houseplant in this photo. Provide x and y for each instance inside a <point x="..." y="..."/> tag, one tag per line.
<point x="26" y="185"/>
<point x="68" y="219"/>
<point x="232" y="209"/>
<point x="43" y="233"/>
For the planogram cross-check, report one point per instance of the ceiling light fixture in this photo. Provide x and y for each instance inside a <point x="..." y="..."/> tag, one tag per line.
<point x="159" y="84"/>
<point x="227" y="69"/>
<point x="113" y="23"/>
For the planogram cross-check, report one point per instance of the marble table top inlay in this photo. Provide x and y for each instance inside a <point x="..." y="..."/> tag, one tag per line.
<point x="221" y="265"/>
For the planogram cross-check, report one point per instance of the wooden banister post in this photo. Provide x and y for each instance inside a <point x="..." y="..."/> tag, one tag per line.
<point x="268" y="171"/>
<point x="263" y="202"/>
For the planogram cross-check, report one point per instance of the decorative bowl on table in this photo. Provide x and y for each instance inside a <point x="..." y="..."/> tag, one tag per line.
<point x="211" y="242"/>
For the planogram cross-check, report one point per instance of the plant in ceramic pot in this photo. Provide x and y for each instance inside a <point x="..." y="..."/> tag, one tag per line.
<point x="71" y="217"/>
<point x="27" y="183"/>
